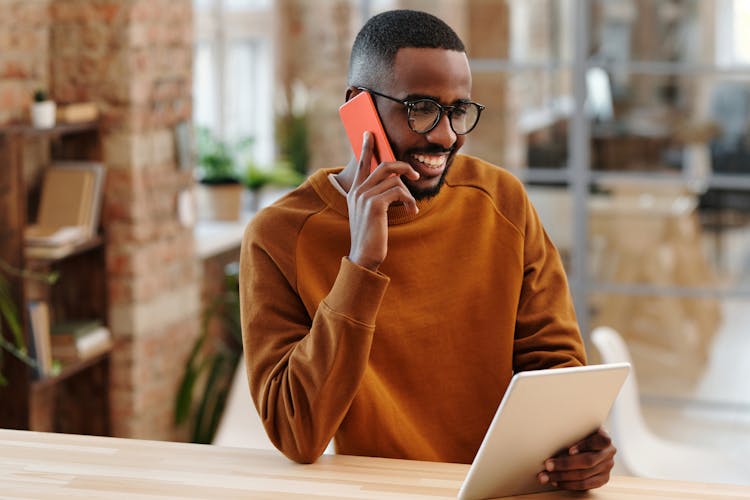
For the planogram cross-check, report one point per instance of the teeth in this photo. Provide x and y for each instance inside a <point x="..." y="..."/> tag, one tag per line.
<point x="431" y="161"/>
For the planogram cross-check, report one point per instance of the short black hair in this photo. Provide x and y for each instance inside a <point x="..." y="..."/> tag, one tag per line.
<point x="376" y="44"/>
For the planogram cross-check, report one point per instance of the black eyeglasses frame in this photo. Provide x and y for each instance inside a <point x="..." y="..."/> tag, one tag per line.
<point x="448" y="110"/>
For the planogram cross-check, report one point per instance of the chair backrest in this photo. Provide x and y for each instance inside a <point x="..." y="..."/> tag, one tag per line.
<point x="627" y="418"/>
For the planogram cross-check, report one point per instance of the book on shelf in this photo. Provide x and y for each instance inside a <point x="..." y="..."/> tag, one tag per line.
<point x="41" y="348"/>
<point x="77" y="112"/>
<point x="77" y="340"/>
<point x="51" y="251"/>
<point x="54" y="236"/>
<point x="69" y="209"/>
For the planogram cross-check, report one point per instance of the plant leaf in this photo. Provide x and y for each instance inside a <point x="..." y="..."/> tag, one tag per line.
<point x="207" y="405"/>
<point x="10" y="314"/>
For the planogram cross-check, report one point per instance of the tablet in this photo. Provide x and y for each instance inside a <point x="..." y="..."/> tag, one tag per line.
<point x="542" y="413"/>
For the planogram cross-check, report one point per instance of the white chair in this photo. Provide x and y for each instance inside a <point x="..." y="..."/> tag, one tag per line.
<point x="644" y="454"/>
<point x="240" y="424"/>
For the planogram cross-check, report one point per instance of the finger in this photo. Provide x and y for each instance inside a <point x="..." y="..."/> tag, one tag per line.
<point x="375" y="184"/>
<point x="583" y="480"/>
<point x="365" y="159"/>
<point x="385" y="171"/>
<point x="380" y="199"/>
<point x="578" y="479"/>
<point x="599" y="440"/>
<point x="580" y="460"/>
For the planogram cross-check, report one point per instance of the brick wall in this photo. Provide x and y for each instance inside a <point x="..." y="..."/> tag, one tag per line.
<point x="138" y="64"/>
<point x="24" y="56"/>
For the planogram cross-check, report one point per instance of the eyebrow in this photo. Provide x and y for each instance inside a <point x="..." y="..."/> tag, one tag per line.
<point x="415" y="97"/>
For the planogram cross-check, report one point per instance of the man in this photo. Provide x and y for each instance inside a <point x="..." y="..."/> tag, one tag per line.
<point x="389" y="310"/>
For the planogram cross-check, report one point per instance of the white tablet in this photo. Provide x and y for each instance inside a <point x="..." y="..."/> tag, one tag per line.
<point x="542" y="413"/>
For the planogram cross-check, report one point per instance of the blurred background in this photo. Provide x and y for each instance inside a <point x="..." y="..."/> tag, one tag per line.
<point x="628" y="121"/>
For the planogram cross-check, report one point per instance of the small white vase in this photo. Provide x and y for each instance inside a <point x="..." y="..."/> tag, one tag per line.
<point x="43" y="114"/>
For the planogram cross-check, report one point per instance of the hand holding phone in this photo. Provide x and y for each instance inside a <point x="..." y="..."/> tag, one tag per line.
<point x="359" y="115"/>
<point x="370" y="195"/>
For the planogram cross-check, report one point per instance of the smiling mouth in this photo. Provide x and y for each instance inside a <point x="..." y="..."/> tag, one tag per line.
<point x="430" y="164"/>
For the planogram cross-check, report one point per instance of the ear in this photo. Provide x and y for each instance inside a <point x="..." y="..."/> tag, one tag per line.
<point x="352" y="92"/>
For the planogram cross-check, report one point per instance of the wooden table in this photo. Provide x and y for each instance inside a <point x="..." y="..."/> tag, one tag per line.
<point x="44" y="465"/>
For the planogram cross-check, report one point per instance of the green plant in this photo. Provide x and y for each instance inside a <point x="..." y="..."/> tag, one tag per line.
<point x="282" y="174"/>
<point x="209" y="371"/>
<point x="292" y="137"/>
<point x="16" y="346"/>
<point x="292" y="130"/>
<point x="40" y="95"/>
<point x="218" y="159"/>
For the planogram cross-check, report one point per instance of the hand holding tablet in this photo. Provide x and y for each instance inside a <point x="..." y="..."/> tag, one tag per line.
<point x="542" y="414"/>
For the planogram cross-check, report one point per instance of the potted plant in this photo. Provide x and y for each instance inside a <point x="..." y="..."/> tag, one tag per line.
<point x="43" y="110"/>
<point x="219" y="190"/>
<point x="267" y="184"/>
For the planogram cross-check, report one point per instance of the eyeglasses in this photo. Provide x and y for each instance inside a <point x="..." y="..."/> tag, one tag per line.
<point x="424" y="114"/>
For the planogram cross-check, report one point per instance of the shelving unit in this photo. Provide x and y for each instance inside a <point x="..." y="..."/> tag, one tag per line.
<point x="75" y="400"/>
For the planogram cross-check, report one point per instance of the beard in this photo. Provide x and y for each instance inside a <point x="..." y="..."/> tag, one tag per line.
<point x="420" y="193"/>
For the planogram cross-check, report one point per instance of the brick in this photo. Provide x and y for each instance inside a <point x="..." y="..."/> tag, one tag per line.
<point x="117" y="148"/>
<point x="16" y="69"/>
<point x="14" y="96"/>
<point x="120" y="291"/>
<point x="30" y="12"/>
<point x="109" y="12"/>
<point x="163" y="147"/>
<point x="138" y="150"/>
<point x="68" y="11"/>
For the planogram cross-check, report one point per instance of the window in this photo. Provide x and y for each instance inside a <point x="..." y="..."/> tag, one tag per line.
<point x="732" y="35"/>
<point x="740" y="31"/>
<point x="233" y="73"/>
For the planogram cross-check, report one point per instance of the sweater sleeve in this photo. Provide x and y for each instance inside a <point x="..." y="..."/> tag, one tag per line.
<point x="547" y="333"/>
<point x="304" y="372"/>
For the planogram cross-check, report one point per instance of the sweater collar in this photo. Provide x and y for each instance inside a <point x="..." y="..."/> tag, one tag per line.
<point x="334" y="199"/>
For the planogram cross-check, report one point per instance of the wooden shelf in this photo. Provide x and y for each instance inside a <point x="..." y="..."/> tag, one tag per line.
<point x="65" y="251"/>
<point x="77" y="399"/>
<point x="72" y="369"/>
<point x="58" y="130"/>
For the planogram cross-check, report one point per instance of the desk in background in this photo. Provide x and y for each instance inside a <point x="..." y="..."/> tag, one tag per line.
<point x="217" y="245"/>
<point x="213" y="238"/>
<point x="44" y="465"/>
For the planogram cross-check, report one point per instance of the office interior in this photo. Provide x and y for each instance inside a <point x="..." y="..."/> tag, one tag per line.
<point x="627" y="120"/>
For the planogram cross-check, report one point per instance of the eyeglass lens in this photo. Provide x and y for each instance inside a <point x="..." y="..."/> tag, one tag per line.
<point x="424" y="115"/>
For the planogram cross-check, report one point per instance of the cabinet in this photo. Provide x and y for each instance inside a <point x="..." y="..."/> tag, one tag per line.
<point x="76" y="399"/>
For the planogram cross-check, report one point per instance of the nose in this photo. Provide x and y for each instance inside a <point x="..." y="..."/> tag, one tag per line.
<point x="442" y="134"/>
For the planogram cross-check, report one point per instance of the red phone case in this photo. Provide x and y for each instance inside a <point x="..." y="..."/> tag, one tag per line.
<point x="359" y="114"/>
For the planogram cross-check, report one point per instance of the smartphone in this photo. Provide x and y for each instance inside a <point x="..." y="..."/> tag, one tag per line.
<point x="358" y="115"/>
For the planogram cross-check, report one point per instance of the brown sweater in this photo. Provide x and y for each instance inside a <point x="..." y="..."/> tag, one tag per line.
<point x="411" y="361"/>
